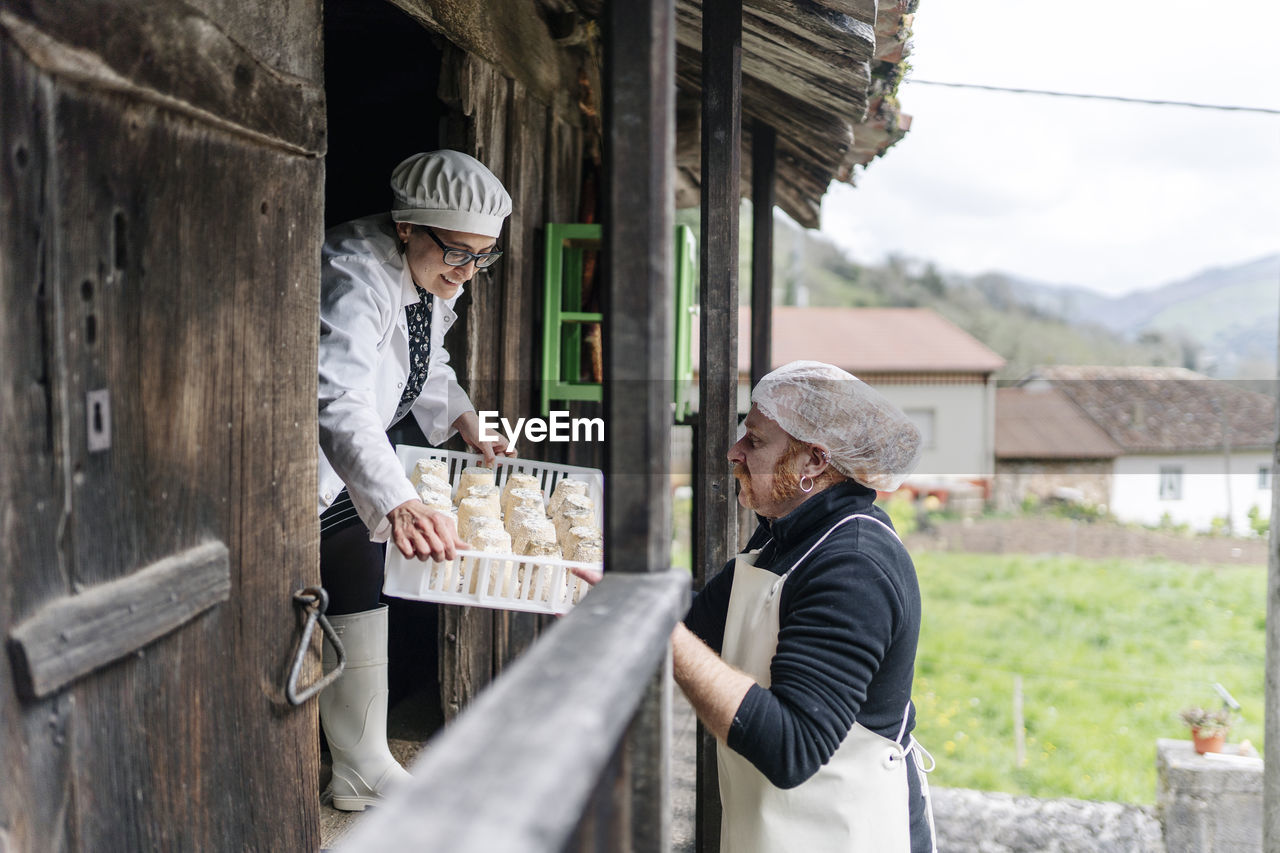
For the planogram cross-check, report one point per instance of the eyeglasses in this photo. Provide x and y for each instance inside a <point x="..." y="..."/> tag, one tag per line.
<point x="461" y="257"/>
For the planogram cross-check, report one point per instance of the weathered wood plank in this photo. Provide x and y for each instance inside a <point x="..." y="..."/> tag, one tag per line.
<point x="516" y="771"/>
<point x="637" y="297"/>
<point x="1271" y="682"/>
<point x="517" y="336"/>
<point x="481" y="96"/>
<point x="763" y="169"/>
<point x="815" y="129"/>
<point x="721" y="167"/>
<point x="717" y="385"/>
<point x="75" y="635"/>
<point x="512" y="36"/>
<point x="563" y="172"/>
<point x="189" y="66"/>
<point x="466" y="656"/>
<point x="833" y="20"/>
<point x="220" y="372"/>
<point x="807" y="138"/>
<point x="34" y="750"/>
<point x="648" y="746"/>
<point x="526" y="157"/>
<point x="168" y="280"/>
<point x="808" y="68"/>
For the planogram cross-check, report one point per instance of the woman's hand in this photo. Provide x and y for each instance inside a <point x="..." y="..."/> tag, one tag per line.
<point x="421" y="532"/>
<point x="591" y="576"/>
<point x="468" y="426"/>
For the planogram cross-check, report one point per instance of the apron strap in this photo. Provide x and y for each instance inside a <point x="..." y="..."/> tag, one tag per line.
<point x="833" y="529"/>
<point x="916" y="750"/>
<point x="803" y="557"/>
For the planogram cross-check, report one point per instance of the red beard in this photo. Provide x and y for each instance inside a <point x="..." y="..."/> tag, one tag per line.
<point x="785" y="482"/>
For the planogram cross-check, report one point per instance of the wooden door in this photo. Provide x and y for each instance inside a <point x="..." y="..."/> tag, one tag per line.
<point x="160" y="223"/>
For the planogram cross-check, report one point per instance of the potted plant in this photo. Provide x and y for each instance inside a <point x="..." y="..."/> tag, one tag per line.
<point x="1208" y="728"/>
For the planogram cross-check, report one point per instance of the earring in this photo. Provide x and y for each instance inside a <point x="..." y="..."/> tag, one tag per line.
<point x="802" y="485"/>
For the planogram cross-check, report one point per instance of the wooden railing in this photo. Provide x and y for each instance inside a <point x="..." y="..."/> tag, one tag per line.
<point x="539" y="762"/>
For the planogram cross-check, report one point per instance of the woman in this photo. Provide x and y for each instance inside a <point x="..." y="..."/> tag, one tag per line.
<point x="388" y="286"/>
<point x="799" y="655"/>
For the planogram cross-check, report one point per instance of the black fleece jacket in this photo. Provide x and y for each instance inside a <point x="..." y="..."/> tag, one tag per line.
<point x="849" y="620"/>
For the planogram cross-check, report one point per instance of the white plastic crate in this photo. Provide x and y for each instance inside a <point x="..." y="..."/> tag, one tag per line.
<point x="483" y="578"/>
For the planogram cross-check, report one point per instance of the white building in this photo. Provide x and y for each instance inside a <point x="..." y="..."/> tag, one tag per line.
<point x="1183" y="448"/>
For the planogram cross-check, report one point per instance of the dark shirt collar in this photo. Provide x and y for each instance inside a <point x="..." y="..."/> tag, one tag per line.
<point x="815" y="514"/>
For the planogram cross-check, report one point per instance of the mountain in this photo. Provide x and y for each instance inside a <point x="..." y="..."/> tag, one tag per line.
<point x="1228" y="315"/>
<point x="1221" y="321"/>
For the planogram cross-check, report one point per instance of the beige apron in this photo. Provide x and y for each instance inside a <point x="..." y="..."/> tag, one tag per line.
<point x="856" y="803"/>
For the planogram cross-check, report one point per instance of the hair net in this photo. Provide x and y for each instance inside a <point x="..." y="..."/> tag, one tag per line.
<point x="869" y="438"/>
<point x="451" y="190"/>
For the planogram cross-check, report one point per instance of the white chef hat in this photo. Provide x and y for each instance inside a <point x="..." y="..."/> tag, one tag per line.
<point x="869" y="438"/>
<point x="451" y="190"/>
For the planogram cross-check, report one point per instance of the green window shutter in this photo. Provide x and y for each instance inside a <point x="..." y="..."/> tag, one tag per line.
<point x="561" y="325"/>
<point x="562" y="315"/>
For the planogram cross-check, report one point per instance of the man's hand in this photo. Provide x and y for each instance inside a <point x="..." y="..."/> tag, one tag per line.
<point x="468" y="426"/>
<point x="422" y="532"/>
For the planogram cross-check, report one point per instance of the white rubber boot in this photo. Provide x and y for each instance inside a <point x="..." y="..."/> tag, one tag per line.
<point x="353" y="711"/>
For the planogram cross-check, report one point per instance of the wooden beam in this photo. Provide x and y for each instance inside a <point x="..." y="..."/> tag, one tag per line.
<point x="714" y="503"/>
<point x="836" y="20"/>
<point x="649" y="737"/>
<point x="637" y="299"/>
<point x="763" y="167"/>
<point x="1271" y="694"/>
<point x="831" y="72"/>
<point x="808" y="134"/>
<point x="517" y="770"/>
<point x="220" y="83"/>
<point x="718" y="356"/>
<point x="72" y="636"/>
<point x="514" y="36"/>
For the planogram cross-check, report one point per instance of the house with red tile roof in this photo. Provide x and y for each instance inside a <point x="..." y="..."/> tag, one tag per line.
<point x="1153" y="444"/>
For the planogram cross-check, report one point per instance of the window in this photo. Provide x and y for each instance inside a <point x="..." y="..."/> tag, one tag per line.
<point x="923" y="419"/>
<point x="1264" y="476"/>
<point x="1170" y="482"/>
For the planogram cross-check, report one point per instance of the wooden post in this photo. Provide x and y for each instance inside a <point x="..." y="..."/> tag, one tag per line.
<point x="764" y="163"/>
<point x="1271" y="747"/>
<point x="638" y="295"/>
<point x="715" y="519"/>
<point x="637" y="302"/>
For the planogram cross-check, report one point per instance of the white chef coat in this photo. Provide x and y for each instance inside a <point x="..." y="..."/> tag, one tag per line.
<point x="365" y="286"/>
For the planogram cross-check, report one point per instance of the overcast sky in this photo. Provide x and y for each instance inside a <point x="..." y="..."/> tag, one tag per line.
<point x="1111" y="196"/>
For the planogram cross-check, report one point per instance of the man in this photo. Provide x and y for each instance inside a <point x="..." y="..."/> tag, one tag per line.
<point x="799" y="655"/>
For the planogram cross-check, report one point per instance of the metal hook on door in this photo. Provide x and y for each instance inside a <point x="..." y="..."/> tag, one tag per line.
<point x="315" y="601"/>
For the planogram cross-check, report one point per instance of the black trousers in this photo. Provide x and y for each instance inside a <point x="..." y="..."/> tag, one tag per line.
<point x="351" y="571"/>
<point x="350" y="565"/>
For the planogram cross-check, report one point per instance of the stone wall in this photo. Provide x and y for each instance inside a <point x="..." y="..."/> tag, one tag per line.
<point x="1015" y="480"/>
<point x="1097" y="540"/>
<point x="1208" y="803"/>
<point x="984" y="822"/>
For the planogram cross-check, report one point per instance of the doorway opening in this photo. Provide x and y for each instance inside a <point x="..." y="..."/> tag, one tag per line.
<point x="381" y="80"/>
<point x="382" y="77"/>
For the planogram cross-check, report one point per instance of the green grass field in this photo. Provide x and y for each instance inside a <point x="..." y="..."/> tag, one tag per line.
<point x="1109" y="651"/>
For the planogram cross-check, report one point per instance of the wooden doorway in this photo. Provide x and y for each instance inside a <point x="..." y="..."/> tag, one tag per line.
<point x="160" y="218"/>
